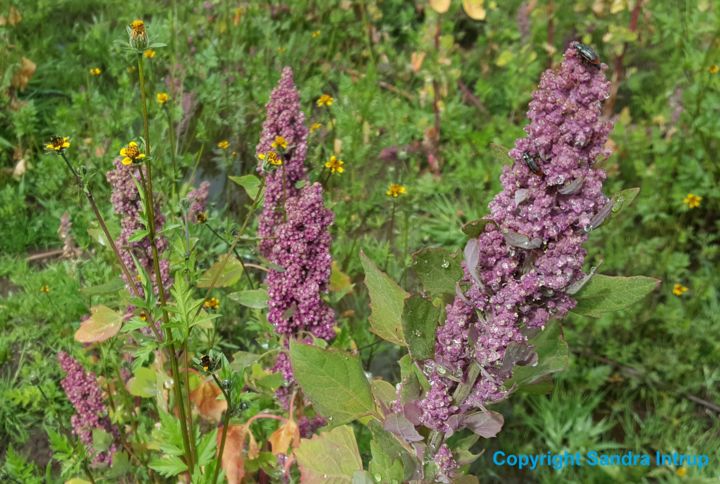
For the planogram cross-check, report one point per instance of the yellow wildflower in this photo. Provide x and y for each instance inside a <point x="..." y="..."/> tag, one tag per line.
<point x="679" y="289"/>
<point x="45" y="288"/>
<point x="681" y="471"/>
<point x="315" y="127"/>
<point x="692" y="200"/>
<point x="325" y="100"/>
<point x="138" y="36"/>
<point x="58" y="143"/>
<point x="224" y="144"/>
<point x="162" y="98"/>
<point x="271" y="157"/>
<point x="335" y="165"/>
<point x="714" y="69"/>
<point x="212" y="303"/>
<point x="395" y="190"/>
<point x="149" y="54"/>
<point x="315" y="34"/>
<point x="131" y="154"/>
<point x="279" y="142"/>
<point x="95" y="71"/>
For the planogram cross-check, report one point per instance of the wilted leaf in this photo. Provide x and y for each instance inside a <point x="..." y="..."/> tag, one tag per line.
<point x="224" y="273"/>
<point x="339" y="281"/>
<point x="233" y="460"/>
<point x="334" y="381"/>
<point x="286" y="435"/>
<point x="386" y="303"/>
<point x="438" y="270"/>
<point x="604" y="294"/>
<point x="332" y="457"/>
<point x="205" y="398"/>
<point x="103" y="324"/>
<point x="440" y="6"/>
<point x="475" y="9"/>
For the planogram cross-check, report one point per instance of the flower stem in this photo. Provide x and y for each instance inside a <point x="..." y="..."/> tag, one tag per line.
<point x="226" y="423"/>
<point x="103" y="226"/>
<point x="177" y="387"/>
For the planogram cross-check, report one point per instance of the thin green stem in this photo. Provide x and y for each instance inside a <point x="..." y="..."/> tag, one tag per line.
<point x="147" y="184"/>
<point x="101" y="221"/>
<point x="390" y="234"/>
<point x="226" y="424"/>
<point x="173" y="153"/>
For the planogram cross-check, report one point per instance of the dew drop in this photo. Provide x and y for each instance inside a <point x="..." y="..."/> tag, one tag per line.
<point x="445" y="264"/>
<point x="168" y="384"/>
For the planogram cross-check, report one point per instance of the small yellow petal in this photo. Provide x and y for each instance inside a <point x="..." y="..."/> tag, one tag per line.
<point x="126" y="161"/>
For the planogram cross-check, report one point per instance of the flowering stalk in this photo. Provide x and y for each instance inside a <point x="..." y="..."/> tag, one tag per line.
<point x="187" y="443"/>
<point x="523" y="269"/>
<point x="84" y="393"/>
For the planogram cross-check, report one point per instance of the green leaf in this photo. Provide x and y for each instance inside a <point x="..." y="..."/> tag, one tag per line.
<point x="103" y="324"/>
<point x="101" y="440"/>
<point x="420" y="318"/>
<point x="168" y="465"/>
<point x="386" y="303"/>
<point x="332" y="457"/>
<point x="604" y="294"/>
<point x="438" y="269"/>
<point x="334" y="381"/>
<point x="623" y="199"/>
<point x="553" y="356"/>
<point x="224" y="274"/>
<point x="242" y="360"/>
<point x="250" y="183"/>
<point x="108" y="288"/>
<point x="392" y="461"/>
<point x="383" y="391"/>
<point x="206" y="449"/>
<point x="474" y="228"/>
<point x="252" y="298"/>
<point x="143" y="383"/>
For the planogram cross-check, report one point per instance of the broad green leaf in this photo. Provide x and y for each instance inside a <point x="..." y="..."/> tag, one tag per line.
<point x="386" y="303"/>
<point x="438" y="269"/>
<point x="391" y="460"/>
<point x="623" y="199"/>
<point x="250" y="183"/>
<point x="242" y="360"/>
<point x="103" y="324"/>
<point x="334" y="381"/>
<point x="224" y="274"/>
<point x="108" y="288"/>
<point x="604" y="294"/>
<point x="331" y="457"/>
<point x="101" y="439"/>
<point x="420" y="318"/>
<point x="143" y="383"/>
<point x="252" y="298"/>
<point x="168" y="465"/>
<point x="553" y="356"/>
<point x="383" y="391"/>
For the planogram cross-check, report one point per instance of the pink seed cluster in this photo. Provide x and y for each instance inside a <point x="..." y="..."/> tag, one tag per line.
<point x="520" y="269"/>
<point x="82" y="390"/>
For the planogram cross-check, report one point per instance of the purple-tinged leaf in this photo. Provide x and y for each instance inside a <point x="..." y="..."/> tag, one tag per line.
<point x="485" y="424"/>
<point x="577" y="285"/>
<point x="412" y="412"/>
<point x="472" y="259"/>
<point x="402" y="427"/>
<point x="572" y="187"/>
<point x="598" y="219"/>
<point x="521" y="241"/>
<point x="521" y="195"/>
